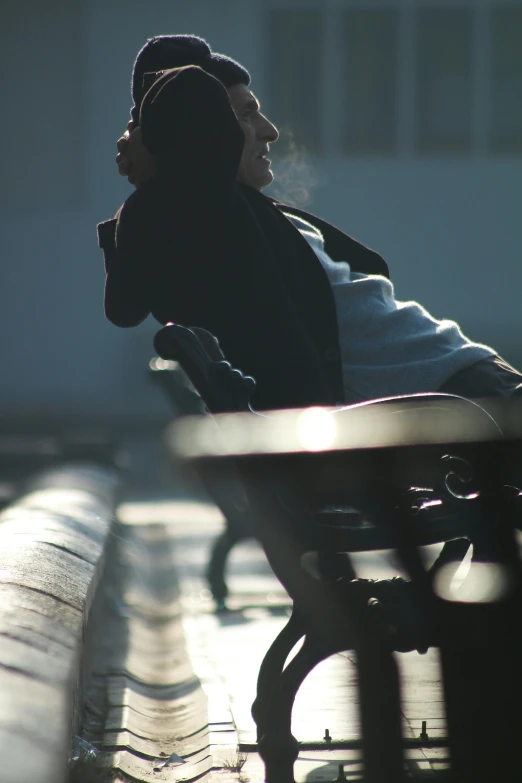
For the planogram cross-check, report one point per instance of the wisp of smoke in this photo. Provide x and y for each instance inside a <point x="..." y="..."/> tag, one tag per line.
<point x="294" y="178"/>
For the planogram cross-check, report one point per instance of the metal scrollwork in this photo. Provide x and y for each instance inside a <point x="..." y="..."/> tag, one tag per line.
<point x="415" y="499"/>
<point x="458" y="472"/>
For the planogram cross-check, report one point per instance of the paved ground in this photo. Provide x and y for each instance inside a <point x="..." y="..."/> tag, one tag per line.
<point x="226" y="649"/>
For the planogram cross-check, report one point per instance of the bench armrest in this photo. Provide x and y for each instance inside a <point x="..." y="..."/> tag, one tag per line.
<point x="222" y="388"/>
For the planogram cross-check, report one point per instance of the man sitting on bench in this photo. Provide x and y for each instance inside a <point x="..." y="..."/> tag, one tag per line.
<point x="305" y="309"/>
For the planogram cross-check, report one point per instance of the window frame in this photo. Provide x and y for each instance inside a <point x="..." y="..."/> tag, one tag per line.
<point x="407" y="64"/>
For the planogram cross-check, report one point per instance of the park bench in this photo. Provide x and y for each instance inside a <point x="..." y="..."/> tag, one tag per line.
<point x="385" y="475"/>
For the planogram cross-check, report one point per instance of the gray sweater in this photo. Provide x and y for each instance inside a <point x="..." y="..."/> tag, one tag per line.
<point x="388" y="347"/>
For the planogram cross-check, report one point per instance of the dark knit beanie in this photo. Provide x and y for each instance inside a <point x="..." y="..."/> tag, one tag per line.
<point x="174" y="51"/>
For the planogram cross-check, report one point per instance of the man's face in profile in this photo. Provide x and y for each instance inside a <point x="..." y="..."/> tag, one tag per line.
<point x="254" y="167"/>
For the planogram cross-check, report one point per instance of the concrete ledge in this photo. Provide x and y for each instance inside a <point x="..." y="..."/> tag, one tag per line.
<point x="146" y="710"/>
<point x="51" y="558"/>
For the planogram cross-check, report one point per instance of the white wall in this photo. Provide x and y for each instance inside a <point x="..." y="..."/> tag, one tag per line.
<point x="450" y="230"/>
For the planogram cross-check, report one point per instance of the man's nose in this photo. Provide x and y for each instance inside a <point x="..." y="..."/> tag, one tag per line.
<point x="268" y="131"/>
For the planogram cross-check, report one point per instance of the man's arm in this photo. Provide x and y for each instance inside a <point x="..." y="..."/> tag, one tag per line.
<point x="126" y="303"/>
<point x="183" y="110"/>
<point x="187" y="122"/>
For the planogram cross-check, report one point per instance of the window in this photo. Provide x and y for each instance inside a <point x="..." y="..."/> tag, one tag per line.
<point x="296" y="75"/>
<point x="444" y="80"/>
<point x="368" y="84"/>
<point x="506" y="79"/>
<point x="433" y="78"/>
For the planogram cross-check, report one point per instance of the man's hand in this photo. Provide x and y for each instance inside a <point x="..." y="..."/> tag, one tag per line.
<point x="134" y="161"/>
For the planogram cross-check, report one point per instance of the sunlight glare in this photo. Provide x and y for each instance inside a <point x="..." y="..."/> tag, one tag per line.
<point x="316" y="429"/>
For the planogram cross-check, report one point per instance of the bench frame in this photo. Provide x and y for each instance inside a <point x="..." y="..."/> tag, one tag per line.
<point x="455" y="627"/>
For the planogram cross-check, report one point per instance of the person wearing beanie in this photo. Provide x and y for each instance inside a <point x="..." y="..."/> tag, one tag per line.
<point x="305" y="309"/>
<point x="160" y="53"/>
<point x="173" y="51"/>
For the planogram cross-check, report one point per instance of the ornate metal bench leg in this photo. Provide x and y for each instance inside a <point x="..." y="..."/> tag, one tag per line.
<point x="216" y="566"/>
<point x="277" y="746"/>
<point x="271" y="667"/>
<point x="381" y="717"/>
<point x="481" y="649"/>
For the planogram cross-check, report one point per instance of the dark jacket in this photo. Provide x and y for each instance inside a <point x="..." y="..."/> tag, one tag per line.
<point x="193" y="246"/>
